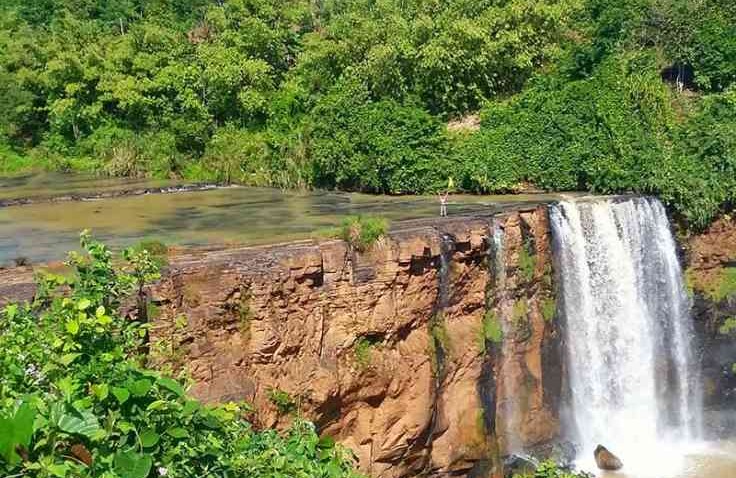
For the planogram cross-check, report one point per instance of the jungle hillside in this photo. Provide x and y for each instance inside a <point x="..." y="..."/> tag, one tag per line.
<point x="384" y="96"/>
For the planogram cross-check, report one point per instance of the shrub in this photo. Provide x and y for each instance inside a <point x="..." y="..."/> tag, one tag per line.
<point x="12" y="162"/>
<point x="717" y="285"/>
<point x="527" y="261"/>
<point x="237" y="155"/>
<point x="549" y="308"/>
<point x="728" y="326"/>
<point x="362" y="352"/>
<point x="700" y="177"/>
<point x="77" y="400"/>
<point x="282" y="400"/>
<point x="492" y="330"/>
<point x="549" y="469"/>
<point x="600" y="133"/>
<point x="361" y="232"/>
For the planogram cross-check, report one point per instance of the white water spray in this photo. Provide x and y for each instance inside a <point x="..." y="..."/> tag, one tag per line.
<point x="631" y="369"/>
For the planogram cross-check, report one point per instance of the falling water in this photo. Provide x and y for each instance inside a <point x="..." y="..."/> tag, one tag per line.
<point x="508" y="407"/>
<point x="627" y="333"/>
<point x="447" y="247"/>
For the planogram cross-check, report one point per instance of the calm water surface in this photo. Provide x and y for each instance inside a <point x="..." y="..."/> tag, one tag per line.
<point x="46" y="230"/>
<point x="50" y="185"/>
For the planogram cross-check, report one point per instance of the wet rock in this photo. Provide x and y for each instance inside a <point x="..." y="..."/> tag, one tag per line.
<point x="606" y="460"/>
<point x="523" y="465"/>
<point x="563" y="453"/>
<point x="710" y="255"/>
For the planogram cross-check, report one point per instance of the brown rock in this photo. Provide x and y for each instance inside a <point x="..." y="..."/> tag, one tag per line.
<point x="606" y="460"/>
<point x="290" y="317"/>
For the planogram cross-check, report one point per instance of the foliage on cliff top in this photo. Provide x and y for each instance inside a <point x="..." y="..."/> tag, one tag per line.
<point x="362" y="232"/>
<point x="597" y="95"/>
<point x="76" y="398"/>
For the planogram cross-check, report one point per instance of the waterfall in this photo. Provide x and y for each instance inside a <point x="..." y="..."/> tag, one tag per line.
<point x="631" y="369"/>
<point x="447" y="247"/>
<point x="507" y="407"/>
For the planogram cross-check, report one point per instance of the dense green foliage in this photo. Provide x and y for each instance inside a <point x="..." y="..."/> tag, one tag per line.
<point x="76" y="399"/>
<point x="598" y="95"/>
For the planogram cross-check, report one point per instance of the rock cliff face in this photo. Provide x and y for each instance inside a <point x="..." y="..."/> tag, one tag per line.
<point x="711" y="276"/>
<point x="421" y="355"/>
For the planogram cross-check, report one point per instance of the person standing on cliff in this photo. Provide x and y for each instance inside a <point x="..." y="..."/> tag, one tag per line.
<point x="443" y="203"/>
<point x="444" y="196"/>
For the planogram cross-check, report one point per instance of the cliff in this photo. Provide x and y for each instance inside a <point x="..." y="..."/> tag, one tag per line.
<point x="711" y="278"/>
<point x="420" y="355"/>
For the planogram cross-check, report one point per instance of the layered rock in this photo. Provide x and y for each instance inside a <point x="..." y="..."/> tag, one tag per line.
<point x="392" y="352"/>
<point x="529" y="365"/>
<point x="711" y="277"/>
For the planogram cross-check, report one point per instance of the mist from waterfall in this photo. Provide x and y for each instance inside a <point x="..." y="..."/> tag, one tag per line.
<point x="630" y="364"/>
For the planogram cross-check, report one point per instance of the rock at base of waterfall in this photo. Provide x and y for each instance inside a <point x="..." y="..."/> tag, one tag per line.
<point x="561" y="452"/>
<point x="515" y="465"/>
<point x="606" y="460"/>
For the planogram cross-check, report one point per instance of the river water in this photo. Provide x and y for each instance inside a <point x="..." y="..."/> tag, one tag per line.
<point x="55" y="185"/>
<point x="46" y="229"/>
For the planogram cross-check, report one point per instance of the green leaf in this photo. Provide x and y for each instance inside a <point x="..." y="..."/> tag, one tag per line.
<point x="16" y="431"/>
<point x="171" y="385"/>
<point x="149" y="438"/>
<point x="10" y="311"/>
<point x="101" y="391"/>
<point x="121" y="394"/>
<point x="67" y="386"/>
<point x="157" y="405"/>
<point x="83" y="304"/>
<point x="80" y="422"/>
<point x="177" y="432"/>
<point x="67" y="359"/>
<point x="72" y="327"/>
<point x="326" y="443"/>
<point x="140" y="388"/>
<point x="100" y="311"/>
<point x="129" y="464"/>
<point x="59" y="470"/>
<point x="334" y="470"/>
<point x="125" y="427"/>
<point x="190" y="406"/>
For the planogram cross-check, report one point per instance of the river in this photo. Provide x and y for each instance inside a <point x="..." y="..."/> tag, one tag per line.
<point x="63" y="205"/>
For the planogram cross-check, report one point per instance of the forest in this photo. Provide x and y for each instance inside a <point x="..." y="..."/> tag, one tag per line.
<point x="383" y="96"/>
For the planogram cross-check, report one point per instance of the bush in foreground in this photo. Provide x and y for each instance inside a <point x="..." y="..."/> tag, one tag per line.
<point x="77" y="400"/>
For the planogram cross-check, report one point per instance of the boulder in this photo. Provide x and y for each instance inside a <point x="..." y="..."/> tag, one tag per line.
<point x="606" y="460"/>
<point x="561" y="452"/>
